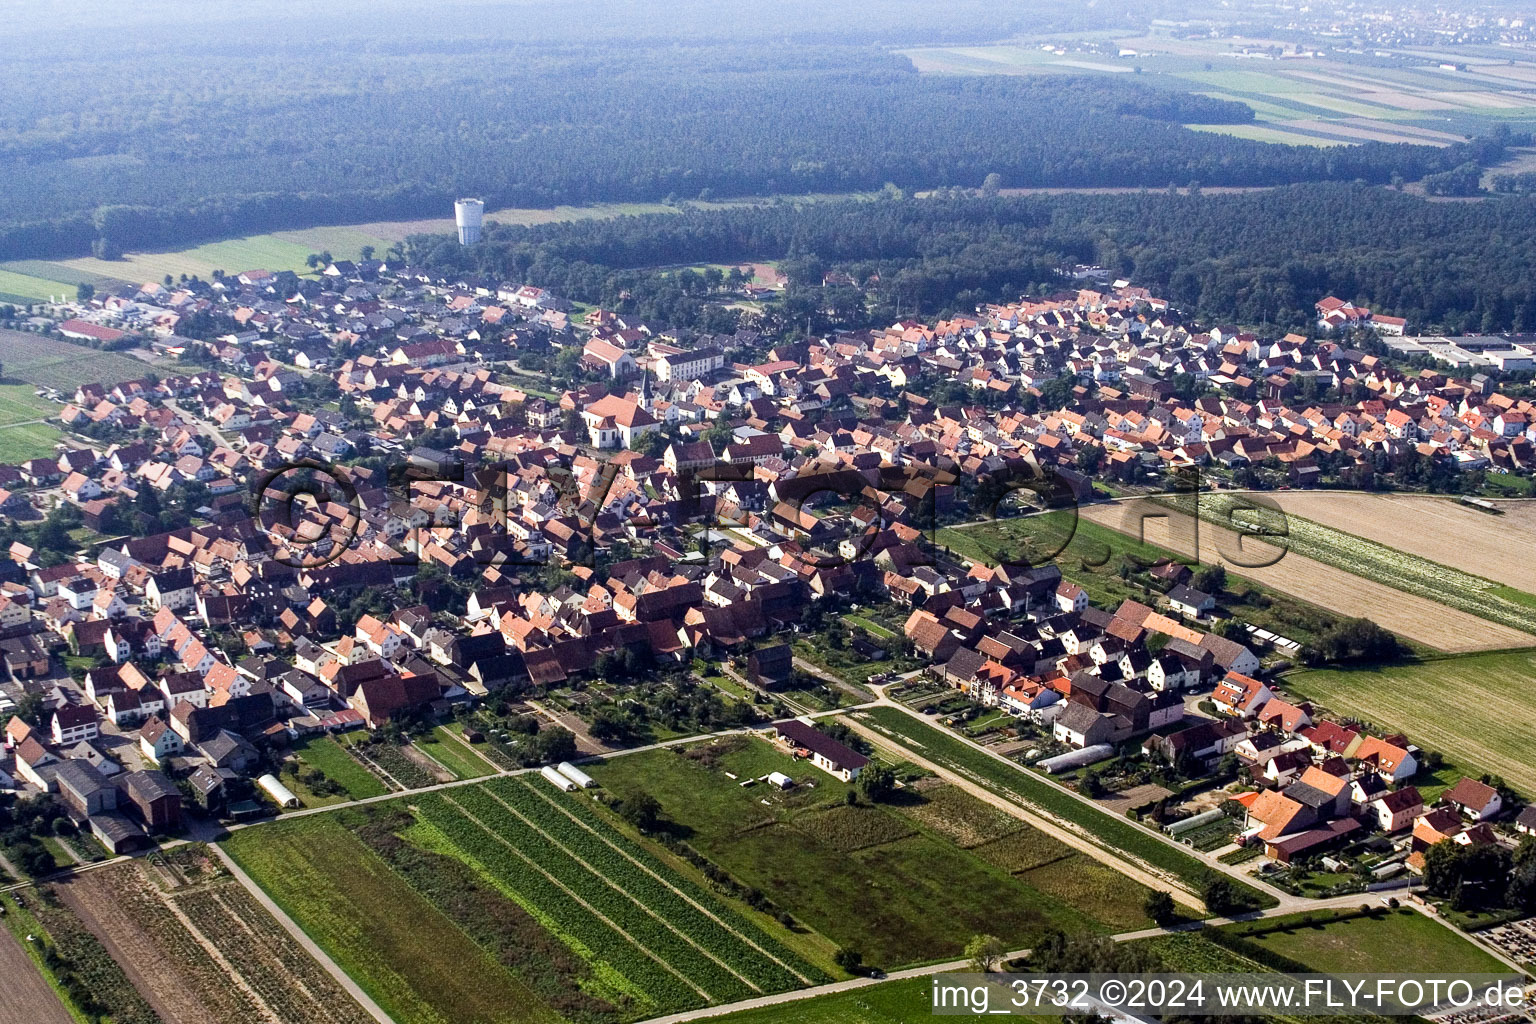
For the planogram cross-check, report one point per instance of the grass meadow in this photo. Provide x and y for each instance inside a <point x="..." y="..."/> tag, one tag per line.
<point x="1479" y="710"/>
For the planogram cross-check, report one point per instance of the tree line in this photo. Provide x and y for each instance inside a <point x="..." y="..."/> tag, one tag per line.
<point x="1254" y="258"/>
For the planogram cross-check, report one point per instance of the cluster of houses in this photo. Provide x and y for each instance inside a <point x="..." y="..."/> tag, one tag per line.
<point x="1324" y="783"/>
<point x="786" y="473"/>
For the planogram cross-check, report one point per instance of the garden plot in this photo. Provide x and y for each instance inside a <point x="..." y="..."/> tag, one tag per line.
<point x="206" y="953"/>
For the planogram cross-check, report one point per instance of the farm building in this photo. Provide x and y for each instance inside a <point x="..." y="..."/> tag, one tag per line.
<point x="772" y="668"/>
<point x="830" y="755"/>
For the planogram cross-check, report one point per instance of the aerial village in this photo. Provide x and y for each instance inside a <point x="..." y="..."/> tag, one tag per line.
<point x="362" y="513"/>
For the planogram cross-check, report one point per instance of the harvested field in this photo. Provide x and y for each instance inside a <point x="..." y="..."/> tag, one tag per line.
<point x="1344" y="593"/>
<point x="206" y="953"/>
<point x="1440" y="529"/>
<point x="28" y="999"/>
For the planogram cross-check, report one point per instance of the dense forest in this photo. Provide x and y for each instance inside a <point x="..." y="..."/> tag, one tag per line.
<point x="1258" y="257"/>
<point x="165" y="133"/>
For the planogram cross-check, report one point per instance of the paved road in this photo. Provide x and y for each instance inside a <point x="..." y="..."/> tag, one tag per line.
<point x="304" y="941"/>
<point x="25" y="996"/>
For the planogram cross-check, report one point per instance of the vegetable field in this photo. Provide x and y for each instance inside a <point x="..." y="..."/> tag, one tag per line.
<point x="52" y="363"/>
<point x="671" y="942"/>
<point x="508" y="901"/>
<point x="876" y="878"/>
<point x="411" y="958"/>
<point x="1372" y="560"/>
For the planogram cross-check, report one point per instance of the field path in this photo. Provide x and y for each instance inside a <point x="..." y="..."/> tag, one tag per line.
<point x="343" y="979"/>
<point x="28" y="999"/>
<point x="1417" y="618"/>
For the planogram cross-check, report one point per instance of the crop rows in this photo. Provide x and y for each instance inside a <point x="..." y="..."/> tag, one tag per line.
<point x="804" y="972"/>
<point x="629" y="909"/>
<point x="88" y="961"/>
<point x="290" y="982"/>
<point x="177" y="948"/>
<point x="395" y="766"/>
<point x="511" y="866"/>
<point x="713" y="927"/>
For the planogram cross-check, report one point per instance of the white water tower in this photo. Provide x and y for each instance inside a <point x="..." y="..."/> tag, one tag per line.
<point x="467" y="214"/>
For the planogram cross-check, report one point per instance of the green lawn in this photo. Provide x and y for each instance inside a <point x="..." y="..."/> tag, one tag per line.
<point x="1493" y="725"/>
<point x="1369" y="945"/>
<point x="1109" y="829"/>
<point x="340" y="767"/>
<point x="19" y="404"/>
<point x="448" y="750"/>
<point x="866" y="877"/>
<point x="876" y="630"/>
<point x="419" y="965"/>
<point x="33" y="441"/>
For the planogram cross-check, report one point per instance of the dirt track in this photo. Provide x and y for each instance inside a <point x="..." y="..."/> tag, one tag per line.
<point x="1326" y="586"/>
<point x="25" y="997"/>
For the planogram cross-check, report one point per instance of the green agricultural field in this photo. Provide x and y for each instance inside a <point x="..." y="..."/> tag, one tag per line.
<point x="452" y="753"/>
<point x="870" y="878"/>
<point x="255" y="252"/>
<point x="1370" y="945"/>
<point x="653" y="935"/>
<point x="62" y="275"/>
<point x="1491" y="729"/>
<point x="1194" y="952"/>
<point x="58" y="364"/>
<point x="19" y="404"/>
<point x="416" y="962"/>
<point x="340" y="767"/>
<point x="34" y="441"/>
<point x="1264" y="133"/>
<point x="1108" y="829"/>
<point x="26" y="288"/>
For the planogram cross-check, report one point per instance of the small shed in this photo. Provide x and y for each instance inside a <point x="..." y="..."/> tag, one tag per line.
<point x="780" y="780"/>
